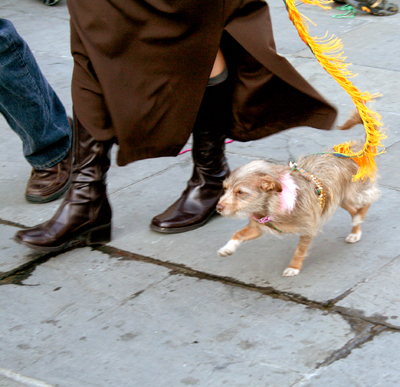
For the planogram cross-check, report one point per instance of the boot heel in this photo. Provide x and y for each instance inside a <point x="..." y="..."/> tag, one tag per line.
<point x="99" y="235"/>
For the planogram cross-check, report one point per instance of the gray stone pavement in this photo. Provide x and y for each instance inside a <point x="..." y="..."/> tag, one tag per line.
<point x="165" y="310"/>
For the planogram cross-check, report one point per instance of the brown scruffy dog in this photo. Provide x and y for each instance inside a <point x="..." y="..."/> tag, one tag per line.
<point x="295" y="199"/>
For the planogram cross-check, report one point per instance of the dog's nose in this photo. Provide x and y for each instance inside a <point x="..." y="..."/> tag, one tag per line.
<point x="220" y="207"/>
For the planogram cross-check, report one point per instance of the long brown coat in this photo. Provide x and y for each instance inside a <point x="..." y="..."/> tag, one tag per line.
<point x="141" y="68"/>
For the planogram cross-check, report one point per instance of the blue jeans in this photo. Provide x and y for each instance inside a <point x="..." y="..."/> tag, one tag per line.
<point x="29" y="104"/>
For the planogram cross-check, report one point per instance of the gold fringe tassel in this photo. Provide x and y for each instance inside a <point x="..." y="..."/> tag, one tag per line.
<point x="328" y="52"/>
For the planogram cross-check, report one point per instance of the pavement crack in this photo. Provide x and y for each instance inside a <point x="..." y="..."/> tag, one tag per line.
<point x="356" y="319"/>
<point x="12" y="224"/>
<point x="333" y="302"/>
<point x="21" y="273"/>
<point x="180" y="269"/>
<point x="365" y="336"/>
<point x="132" y="297"/>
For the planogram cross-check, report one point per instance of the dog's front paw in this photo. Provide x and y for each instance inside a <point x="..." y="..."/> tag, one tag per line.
<point x="354" y="237"/>
<point x="224" y="252"/>
<point x="290" y="272"/>
<point x="229" y="248"/>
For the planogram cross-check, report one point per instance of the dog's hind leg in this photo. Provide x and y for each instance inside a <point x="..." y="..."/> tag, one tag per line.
<point x="299" y="255"/>
<point x="245" y="234"/>
<point x="358" y="216"/>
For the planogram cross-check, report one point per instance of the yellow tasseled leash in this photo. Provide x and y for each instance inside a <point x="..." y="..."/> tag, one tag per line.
<point x="328" y="52"/>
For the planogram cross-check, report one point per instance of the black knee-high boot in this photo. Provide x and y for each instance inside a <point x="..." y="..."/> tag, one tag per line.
<point x="84" y="216"/>
<point x="197" y="203"/>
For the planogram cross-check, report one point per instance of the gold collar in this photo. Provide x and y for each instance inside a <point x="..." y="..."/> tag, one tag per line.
<point x="319" y="188"/>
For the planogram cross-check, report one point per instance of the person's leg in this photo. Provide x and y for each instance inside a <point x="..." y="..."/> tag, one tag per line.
<point x="84" y="216"/>
<point x="35" y="113"/>
<point x="197" y="203"/>
<point x="219" y="65"/>
<point x="29" y="104"/>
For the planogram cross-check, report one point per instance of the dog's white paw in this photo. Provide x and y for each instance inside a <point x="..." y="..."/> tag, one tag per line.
<point x="229" y="248"/>
<point x="224" y="252"/>
<point x="353" y="238"/>
<point x="290" y="272"/>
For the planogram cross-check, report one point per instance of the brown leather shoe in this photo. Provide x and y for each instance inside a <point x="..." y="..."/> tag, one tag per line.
<point x="46" y="185"/>
<point x="84" y="216"/>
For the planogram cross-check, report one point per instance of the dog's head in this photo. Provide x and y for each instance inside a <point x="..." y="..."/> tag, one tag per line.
<point x="248" y="190"/>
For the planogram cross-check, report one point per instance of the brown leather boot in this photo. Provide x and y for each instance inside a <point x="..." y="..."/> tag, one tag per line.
<point x="197" y="203"/>
<point x="84" y="216"/>
<point x="46" y="185"/>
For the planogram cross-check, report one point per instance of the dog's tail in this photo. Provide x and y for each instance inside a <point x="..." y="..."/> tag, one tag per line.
<point x="365" y="157"/>
<point x="353" y="120"/>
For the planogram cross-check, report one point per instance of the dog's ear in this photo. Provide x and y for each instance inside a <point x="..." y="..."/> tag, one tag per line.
<point x="267" y="183"/>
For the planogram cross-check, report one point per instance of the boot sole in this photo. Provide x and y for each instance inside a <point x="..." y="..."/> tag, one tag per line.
<point x="95" y="236"/>
<point x="177" y="230"/>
